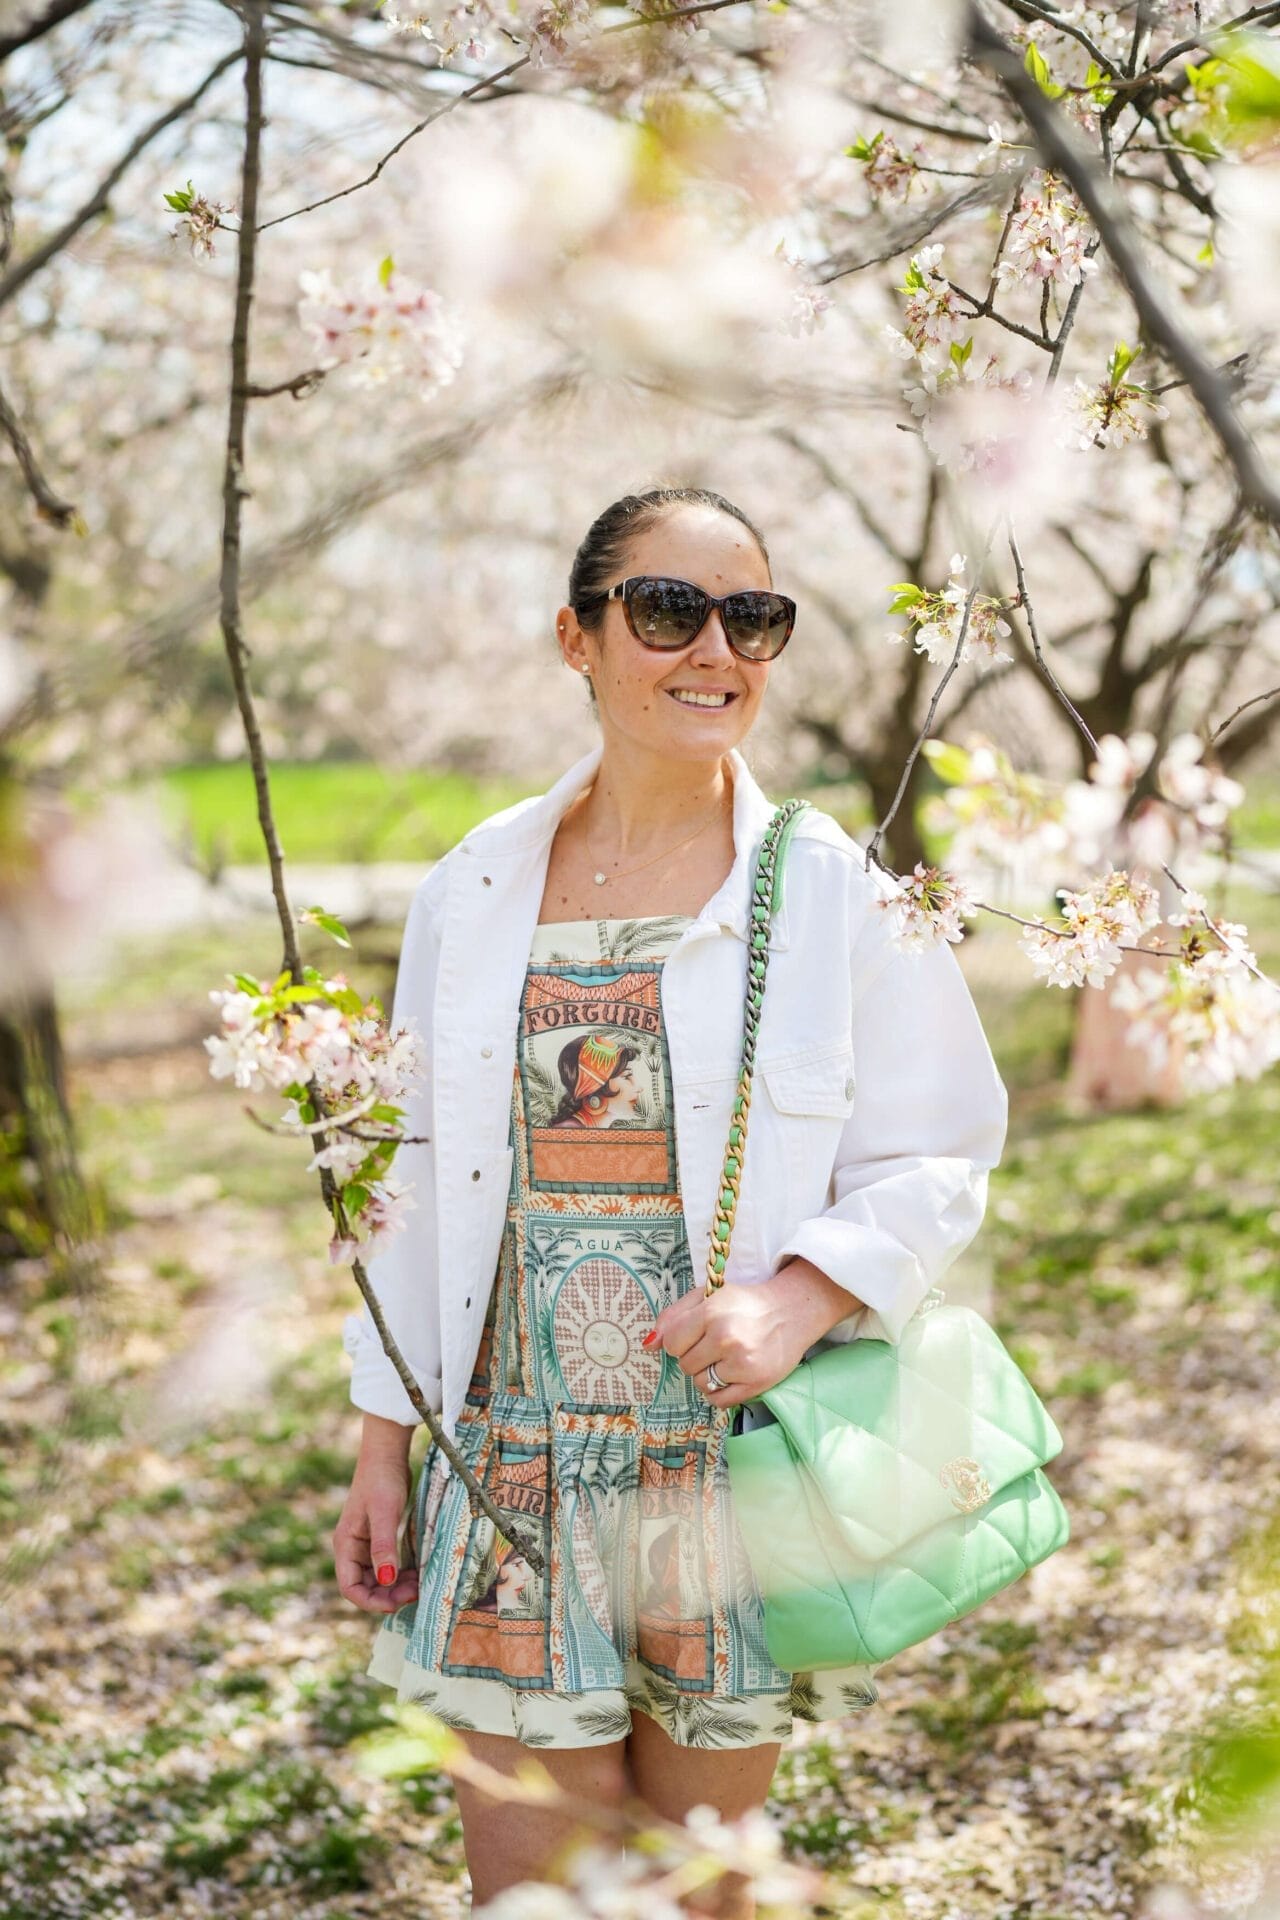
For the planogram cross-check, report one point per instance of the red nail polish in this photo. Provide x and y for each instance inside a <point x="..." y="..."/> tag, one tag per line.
<point x="386" y="1574"/>
<point x="649" y="1338"/>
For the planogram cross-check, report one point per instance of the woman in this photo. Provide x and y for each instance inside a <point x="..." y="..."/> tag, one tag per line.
<point x="547" y="1291"/>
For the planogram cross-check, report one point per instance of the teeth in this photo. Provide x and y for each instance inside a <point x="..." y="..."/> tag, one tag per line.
<point x="689" y="699"/>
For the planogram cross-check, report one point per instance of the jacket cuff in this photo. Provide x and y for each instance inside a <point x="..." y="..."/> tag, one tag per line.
<point x="872" y="1266"/>
<point x="376" y="1387"/>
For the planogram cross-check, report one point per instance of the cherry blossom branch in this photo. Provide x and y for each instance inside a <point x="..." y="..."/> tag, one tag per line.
<point x="1062" y="151"/>
<point x="1261" y="16"/>
<point x="234" y="493"/>
<point x="1144" y="786"/>
<point x="1028" y="10"/>
<point x="479" y="86"/>
<point x="286" y="1128"/>
<point x="437" y="113"/>
<point x="1024" y="602"/>
<point x="873" y="844"/>
<point x="100" y="198"/>
<point x="300" y="385"/>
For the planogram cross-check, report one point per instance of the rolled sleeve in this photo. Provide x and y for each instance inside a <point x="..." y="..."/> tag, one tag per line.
<point x="930" y="1114"/>
<point x="401" y="1272"/>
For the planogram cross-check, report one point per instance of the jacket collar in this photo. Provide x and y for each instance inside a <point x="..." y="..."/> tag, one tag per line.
<point x="529" y="827"/>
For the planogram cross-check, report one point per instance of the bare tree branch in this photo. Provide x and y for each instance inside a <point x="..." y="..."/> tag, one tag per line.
<point x="49" y="505"/>
<point x="53" y="16"/>
<point x="99" y="199"/>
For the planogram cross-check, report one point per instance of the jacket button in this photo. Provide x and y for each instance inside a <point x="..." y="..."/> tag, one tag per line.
<point x="475" y="1173"/>
<point x="848" y="1088"/>
<point x="468" y="1299"/>
<point x="487" y="881"/>
<point x="486" y="1053"/>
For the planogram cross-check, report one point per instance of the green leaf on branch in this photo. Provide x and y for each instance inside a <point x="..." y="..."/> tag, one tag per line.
<point x="949" y="762"/>
<point x="1099" y="92"/>
<point x="1038" y="67"/>
<point x="1252" y="77"/>
<point x="181" y="200"/>
<point x="905" y="595"/>
<point x="317" y="917"/>
<point x="355" y="1196"/>
<point x="960" y="351"/>
<point x="386" y="270"/>
<point x="864" y="149"/>
<point x="247" y="984"/>
<point x="1120" y="362"/>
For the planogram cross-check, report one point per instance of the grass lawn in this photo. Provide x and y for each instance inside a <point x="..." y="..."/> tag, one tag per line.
<point x="358" y="811"/>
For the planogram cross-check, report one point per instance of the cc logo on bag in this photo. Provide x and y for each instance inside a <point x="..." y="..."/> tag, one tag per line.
<point x="966" y="1483"/>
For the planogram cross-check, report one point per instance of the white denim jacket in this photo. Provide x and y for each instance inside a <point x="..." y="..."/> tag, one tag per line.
<point x="877" y="1114"/>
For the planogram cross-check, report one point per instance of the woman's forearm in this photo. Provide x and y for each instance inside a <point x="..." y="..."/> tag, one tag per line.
<point x="383" y="1439"/>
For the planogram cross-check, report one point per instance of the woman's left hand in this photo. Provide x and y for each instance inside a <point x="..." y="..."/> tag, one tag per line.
<point x="754" y="1335"/>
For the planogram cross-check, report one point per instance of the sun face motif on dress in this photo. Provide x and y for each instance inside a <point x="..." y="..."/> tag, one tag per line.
<point x="601" y="1315"/>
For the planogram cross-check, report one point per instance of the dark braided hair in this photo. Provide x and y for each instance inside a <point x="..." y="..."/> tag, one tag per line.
<point x="603" y="553"/>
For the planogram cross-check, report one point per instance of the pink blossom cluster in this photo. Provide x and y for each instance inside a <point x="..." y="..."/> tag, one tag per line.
<point x="810" y="301"/>
<point x="994" y="812"/>
<point x="201" y="219"/>
<point x="1189" y="812"/>
<point x="932" y="318"/>
<point x="199" y="224"/>
<point x="326" y="1049"/>
<point x="928" y="908"/>
<point x="892" y="170"/>
<point x="938" y="618"/>
<point x="643" y="1884"/>
<point x="1223" y="1018"/>
<point x="1118" y="908"/>
<point x="387" y="330"/>
<point x="549" y="28"/>
<point x="1109" y="414"/>
<point x="1047" y="238"/>
<point x="975" y="416"/>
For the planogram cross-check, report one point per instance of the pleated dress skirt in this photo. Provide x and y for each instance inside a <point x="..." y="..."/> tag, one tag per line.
<point x="605" y="1453"/>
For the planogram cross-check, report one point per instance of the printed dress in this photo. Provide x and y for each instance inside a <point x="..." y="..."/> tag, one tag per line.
<point x="607" y="1451"/>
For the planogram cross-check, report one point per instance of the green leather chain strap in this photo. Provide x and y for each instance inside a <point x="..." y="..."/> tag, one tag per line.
<point x="765" y="898"/>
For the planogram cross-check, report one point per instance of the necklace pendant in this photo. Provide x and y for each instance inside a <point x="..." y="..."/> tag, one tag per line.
<point x="600" y="878"/>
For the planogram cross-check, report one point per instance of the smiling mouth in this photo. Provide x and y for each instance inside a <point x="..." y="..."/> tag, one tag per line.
<point x="710" y="702"/>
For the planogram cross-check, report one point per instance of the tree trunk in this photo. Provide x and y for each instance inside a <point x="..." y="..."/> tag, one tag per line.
<point x="36" y="1122"/>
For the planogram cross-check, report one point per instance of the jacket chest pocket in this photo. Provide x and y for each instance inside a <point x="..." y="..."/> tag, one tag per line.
<point x="821" y="1083"/>
<point x="809" y="1098"/>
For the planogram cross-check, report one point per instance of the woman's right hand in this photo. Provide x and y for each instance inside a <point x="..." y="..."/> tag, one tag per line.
<point x="365" y="1536"/>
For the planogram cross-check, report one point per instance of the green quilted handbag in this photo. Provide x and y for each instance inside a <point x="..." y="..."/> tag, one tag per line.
<point x="893" y="1486"/>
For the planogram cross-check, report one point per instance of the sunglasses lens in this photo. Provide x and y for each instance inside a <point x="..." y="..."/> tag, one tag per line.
<point x="758" y="624"/>
<point x="667" y="613"/>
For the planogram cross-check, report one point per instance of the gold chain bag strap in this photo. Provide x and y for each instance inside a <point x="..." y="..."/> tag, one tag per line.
<point x="765" y="897"/>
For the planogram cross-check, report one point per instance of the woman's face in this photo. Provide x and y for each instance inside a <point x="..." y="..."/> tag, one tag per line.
<point x="636" y="686"/>
<point x="624" y="1094"/>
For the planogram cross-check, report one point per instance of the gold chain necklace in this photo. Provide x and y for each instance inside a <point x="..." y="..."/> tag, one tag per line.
<point x="602" y="878"/>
